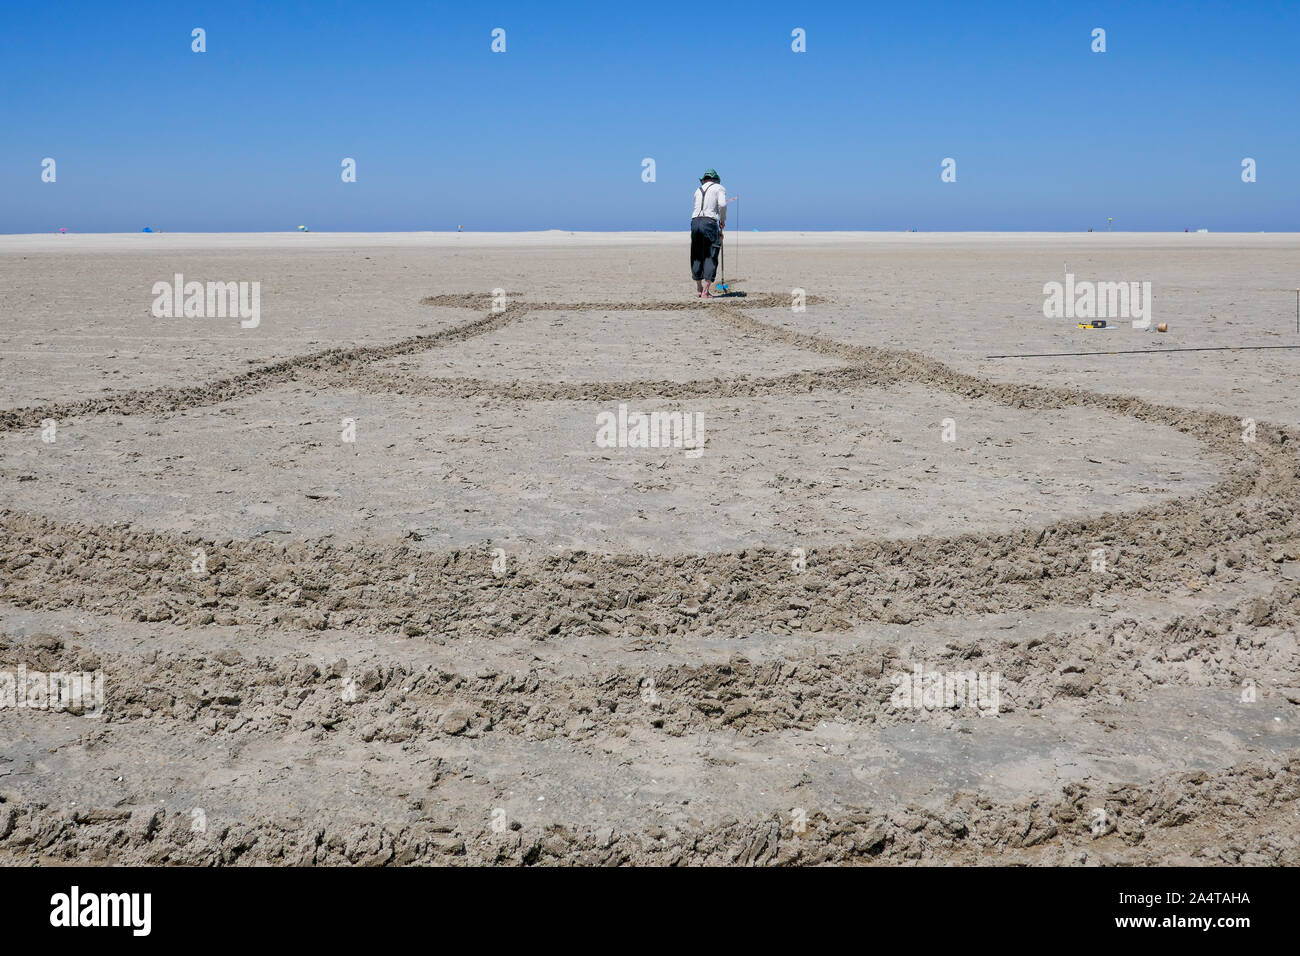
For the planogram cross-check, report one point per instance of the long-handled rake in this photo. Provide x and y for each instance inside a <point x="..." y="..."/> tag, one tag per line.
<point x="722" y="286"/>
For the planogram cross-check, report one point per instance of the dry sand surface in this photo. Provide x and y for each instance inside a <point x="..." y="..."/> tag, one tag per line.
<point x="477" y="634"/>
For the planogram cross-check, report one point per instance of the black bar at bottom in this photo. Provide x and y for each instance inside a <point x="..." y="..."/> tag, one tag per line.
<point x="335" y="906"/>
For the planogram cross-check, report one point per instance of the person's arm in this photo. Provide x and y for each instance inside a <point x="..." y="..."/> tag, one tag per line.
<point x="722" y="207"/>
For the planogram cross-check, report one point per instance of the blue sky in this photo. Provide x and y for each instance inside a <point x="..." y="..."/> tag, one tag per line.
<point x="1046" y="134"/>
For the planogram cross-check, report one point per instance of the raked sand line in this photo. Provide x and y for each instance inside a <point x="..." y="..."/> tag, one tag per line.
<point x="1253" y="508"/>
<point x="144" y="575"/>
<point x="893" y="580"/>
<point x="334" y="361"/>
<point x="1150" y="820"/>
<point x="396" y="700"/>
<point x="161" y="401"/>
<point x="750" y="300"/>
<point x="796" y="383"/>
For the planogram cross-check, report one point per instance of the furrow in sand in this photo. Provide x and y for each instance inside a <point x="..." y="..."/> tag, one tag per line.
<point x="139" y="574"/>
<point x="160" y="401"/>
<point x="327" y="365"/>
<point x="144" y="575"/>
<point x="751" y="300"/>
<point x="398" y="701"/>
<point x="1192" y="817"/>
<point x="370" y="380"/>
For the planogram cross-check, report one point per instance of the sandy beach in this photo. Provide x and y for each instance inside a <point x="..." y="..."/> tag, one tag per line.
<point x="366" y="585"/>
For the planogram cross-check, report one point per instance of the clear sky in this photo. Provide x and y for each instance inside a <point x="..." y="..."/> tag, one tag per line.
<point x="1046" y="134"/>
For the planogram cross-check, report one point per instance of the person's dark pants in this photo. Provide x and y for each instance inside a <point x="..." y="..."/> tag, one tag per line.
<point x="706" y="239"/>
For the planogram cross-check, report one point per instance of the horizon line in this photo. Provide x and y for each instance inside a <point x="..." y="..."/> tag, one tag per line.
<point x="772" y="230"/>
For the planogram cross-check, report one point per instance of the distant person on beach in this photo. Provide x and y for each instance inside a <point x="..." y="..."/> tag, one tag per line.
<point x="708" y="219"/>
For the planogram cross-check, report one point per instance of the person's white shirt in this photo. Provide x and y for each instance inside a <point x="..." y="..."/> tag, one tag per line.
<point x="710" y="201"/>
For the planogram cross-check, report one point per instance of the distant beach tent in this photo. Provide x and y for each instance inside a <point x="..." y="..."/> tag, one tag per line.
<point x="146" y="229"/>
<point x="303" y="229"/>
<point x="63" y="229"/>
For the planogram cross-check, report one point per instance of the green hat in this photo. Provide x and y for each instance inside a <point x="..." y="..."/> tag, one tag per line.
<point x="710" y="174"/>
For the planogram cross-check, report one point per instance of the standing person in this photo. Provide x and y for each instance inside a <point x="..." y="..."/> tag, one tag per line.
<point x="708" y="219"/>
